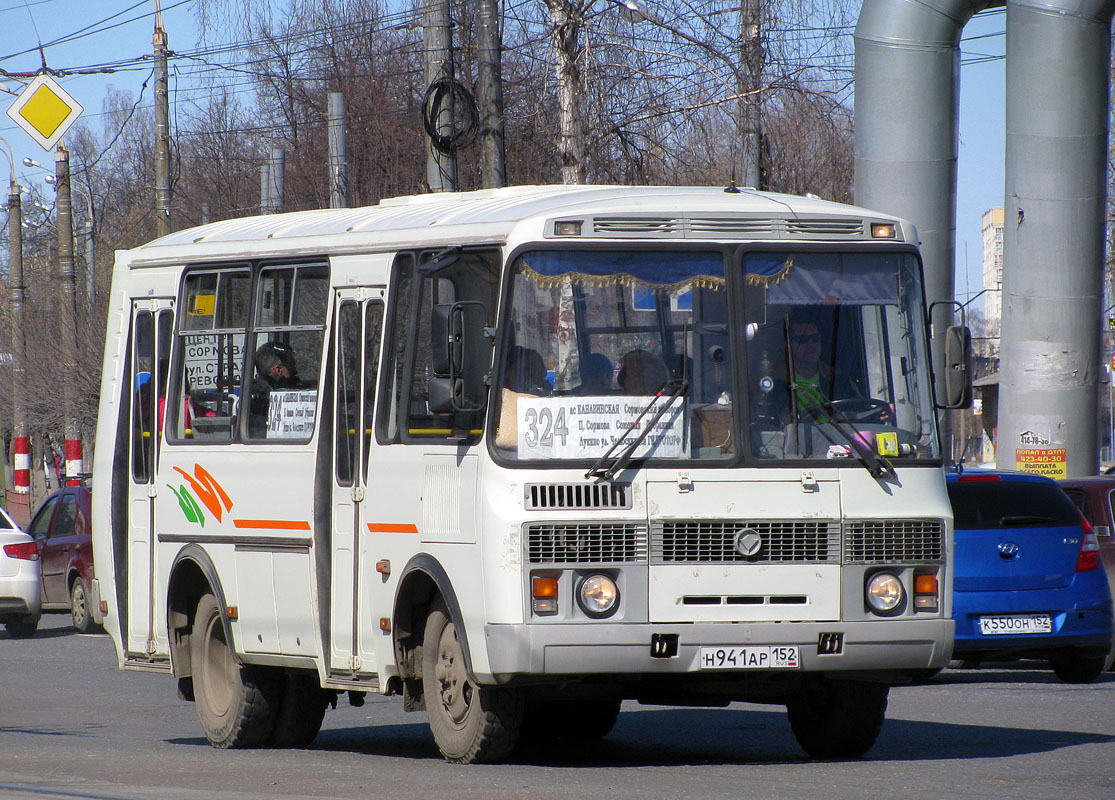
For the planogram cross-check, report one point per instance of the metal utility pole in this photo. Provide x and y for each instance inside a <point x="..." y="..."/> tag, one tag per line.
<point x="441" y="168"/>
<point x="162" y="129"/>
<point x="338" y="155"/>
<point x="68" y="310"/>
<point x="21" y="444"/>
<point x="490" y="95"/>
<point x="565" y="28"/>
<point x="90" y="253"/>
<point x="750" y="81"/>
<point x="265" y="206"/>
<point x="278" y="183"/>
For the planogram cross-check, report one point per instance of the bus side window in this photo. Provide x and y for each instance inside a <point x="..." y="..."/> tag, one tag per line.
<point x="212" y="328"/>
<point x="285" y="362"/>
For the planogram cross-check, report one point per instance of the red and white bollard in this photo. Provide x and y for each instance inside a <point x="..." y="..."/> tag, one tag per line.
<point x="74" y="467"/>
<point x="22" y="464"/>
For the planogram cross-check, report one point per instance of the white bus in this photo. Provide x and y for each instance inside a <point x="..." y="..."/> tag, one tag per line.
<point x="518" y="455"/>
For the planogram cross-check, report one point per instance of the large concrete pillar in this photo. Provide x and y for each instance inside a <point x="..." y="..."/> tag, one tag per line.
<point x="1056" y="167"/>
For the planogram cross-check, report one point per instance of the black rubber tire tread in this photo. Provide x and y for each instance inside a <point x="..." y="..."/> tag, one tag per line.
<point x="22" y="628"/>
<point x="1073" y="667"/>
<point x="79" y="606"/>
<point x="489" y="727"/>
<point x="249" y="717"/>
<point x="301" y="711"/>
<point x="838" y="719"/>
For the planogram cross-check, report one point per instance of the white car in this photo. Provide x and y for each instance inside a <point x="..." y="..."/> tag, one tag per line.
<point x="20" y="582"/>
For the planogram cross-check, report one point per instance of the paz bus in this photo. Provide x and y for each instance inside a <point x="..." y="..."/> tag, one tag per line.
<point x="534" y="451"/>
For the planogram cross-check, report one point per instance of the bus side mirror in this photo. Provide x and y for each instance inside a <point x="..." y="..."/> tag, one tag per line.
<point x="958" y="367"/>
<point x="457" y="379"/>
<point x="446" y="339"/>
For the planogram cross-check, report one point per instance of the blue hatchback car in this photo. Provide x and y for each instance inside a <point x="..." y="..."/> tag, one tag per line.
<point x="1028" y="581"/>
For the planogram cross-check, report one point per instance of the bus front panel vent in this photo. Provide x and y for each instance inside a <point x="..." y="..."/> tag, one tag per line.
<point x="577" y="496"/>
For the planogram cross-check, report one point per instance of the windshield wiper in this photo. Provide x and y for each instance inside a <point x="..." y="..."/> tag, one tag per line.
<point x="676" y="388"/>
<point x="879" y="466"/>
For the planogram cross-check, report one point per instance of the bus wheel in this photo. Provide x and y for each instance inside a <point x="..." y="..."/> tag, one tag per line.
<point x="838" y="719"/>
<point x="79" y="606"/>
<point x="471" y="724"/>
<point x="236" y="703"/>
<point x="301" y="711"/>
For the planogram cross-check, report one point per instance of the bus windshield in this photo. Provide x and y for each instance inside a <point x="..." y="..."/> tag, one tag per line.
<point x="679" y="355"/>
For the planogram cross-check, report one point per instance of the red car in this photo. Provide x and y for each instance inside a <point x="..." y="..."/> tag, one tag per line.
<point x="1094" y="496"/>
<point x="61" y="529"/>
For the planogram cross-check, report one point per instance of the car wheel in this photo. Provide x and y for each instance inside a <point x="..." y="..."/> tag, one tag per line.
<point x="301" y="711"/>
<point x="838" y="719"/>
<point x="471" y="724"/>
<point x="79" y="606"/>
<point x="1072" y="667"/>
<point x="236" y="703"/>
<point x="23" y="628"/>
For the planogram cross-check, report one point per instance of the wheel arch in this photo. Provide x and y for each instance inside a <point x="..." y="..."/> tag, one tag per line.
<point x="192" y="574"/>
<point x="422" y="579"/>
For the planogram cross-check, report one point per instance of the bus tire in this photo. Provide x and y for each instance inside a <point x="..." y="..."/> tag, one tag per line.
<point x="471" y="724"/>
<point x="301" y="711"/>
<point x="838" y="719"/>
<point x="236" y="703"/>
<point x="79" y="606"/>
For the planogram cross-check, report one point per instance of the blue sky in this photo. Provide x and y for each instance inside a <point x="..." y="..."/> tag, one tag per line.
<point x="127" y="37"/>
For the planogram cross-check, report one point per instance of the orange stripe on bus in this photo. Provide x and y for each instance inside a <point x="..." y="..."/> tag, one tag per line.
<point x="273" y="524"/>
<point x="388" y="527"/>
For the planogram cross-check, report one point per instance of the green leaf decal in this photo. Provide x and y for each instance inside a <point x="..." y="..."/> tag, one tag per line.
<point x="188" y="505"/>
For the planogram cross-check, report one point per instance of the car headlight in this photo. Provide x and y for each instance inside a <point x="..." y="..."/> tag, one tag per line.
<point x="885" y="594"/>
<point x="598" y="595"/>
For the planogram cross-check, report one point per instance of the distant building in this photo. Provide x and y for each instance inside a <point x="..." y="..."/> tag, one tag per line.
<point x="992" y="227"/>
<point x="986" y="344"/>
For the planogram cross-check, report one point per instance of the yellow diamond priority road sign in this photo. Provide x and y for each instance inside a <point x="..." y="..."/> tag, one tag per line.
<point x="45" y="111"/>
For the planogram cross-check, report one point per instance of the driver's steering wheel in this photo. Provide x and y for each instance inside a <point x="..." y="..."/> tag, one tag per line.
<point x="863" y="409"/>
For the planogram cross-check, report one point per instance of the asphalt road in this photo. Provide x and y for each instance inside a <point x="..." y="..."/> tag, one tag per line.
<point x="73" y="726"/>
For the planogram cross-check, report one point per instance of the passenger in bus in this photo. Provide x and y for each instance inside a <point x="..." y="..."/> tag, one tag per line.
<point x="642" y="373"/>
<point x="525" y="377"/>
<point x="526" y="372"/>
<point x="596" y="375"/>
<point x="275" y="370"/>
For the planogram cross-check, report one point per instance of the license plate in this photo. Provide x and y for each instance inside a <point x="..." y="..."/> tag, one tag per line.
<point x="1008" y="624"/>
<point x="752" y="657"/>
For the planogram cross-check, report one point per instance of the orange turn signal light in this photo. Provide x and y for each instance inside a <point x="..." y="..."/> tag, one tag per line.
<point x="544" y="587"/>
<point x="925" y="584"/>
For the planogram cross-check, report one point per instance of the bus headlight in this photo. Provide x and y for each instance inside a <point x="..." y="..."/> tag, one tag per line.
<point x="884" y="593"/>
<point x="598" y="596"/>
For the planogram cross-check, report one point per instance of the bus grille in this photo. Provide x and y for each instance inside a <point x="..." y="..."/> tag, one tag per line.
<point x="585" y="543"/>
<point x="788" y="541"/>
<point x="893" y="540"/>
<point x="577" y="496"/>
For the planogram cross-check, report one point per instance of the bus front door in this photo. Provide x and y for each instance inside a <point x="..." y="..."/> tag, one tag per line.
<point x="359" y="319"/>
<point x="152" y="331"/>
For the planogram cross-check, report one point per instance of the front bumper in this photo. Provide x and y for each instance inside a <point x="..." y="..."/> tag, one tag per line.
<point x="588" y="649"/>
